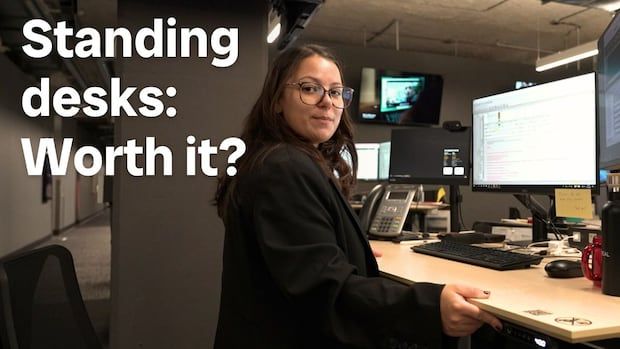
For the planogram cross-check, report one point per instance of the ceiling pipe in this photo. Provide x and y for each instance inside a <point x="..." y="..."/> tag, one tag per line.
<point x="364" y="34"/>
<point x="380" y="32"/>
<point x="397" y="35"/>
<point x="559" y="20"/>
<point x="494" y="6"/>
<point x="453" y="42"/>
<point x="522" y="48"/>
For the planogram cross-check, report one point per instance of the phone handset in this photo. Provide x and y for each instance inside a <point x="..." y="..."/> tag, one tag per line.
<point x="391" y="213"/>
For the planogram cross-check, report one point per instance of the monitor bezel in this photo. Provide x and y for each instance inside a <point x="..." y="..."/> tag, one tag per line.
<point x="539" y="189"/>
<point x="613" y="165"/>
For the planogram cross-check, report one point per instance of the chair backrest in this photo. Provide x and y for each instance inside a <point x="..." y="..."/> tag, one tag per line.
<point x="42" y="307"/>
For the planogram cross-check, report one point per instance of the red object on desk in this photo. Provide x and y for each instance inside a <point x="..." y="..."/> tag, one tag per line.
<point x="595" y="271"/>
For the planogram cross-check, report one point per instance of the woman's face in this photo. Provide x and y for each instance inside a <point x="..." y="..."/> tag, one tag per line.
<point x="316" y="123"/>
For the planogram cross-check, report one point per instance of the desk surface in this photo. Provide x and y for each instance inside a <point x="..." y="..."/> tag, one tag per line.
<point x="422" y="206"/>
<point x="516" y="295"/>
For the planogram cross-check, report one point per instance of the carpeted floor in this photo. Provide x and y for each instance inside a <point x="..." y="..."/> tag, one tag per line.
<point x="89" y="243"/>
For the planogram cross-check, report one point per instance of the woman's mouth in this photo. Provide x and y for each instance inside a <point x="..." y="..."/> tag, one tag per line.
<point x="323" y="118"/>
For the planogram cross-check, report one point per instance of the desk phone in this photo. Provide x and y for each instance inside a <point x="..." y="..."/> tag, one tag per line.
<point x="390" y="216"/>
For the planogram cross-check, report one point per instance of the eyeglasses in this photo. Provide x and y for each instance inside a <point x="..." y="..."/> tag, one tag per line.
<point x="312" y="93"/>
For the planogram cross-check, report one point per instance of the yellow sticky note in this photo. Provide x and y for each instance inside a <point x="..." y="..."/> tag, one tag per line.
<point x="573" y="203"/>
<point x="441" y="193"/>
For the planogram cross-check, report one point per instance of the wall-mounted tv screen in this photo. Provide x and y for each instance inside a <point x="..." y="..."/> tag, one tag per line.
<point x="399" y="98"/>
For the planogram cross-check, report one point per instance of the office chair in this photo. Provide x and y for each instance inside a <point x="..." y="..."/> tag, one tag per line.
<point x="41" y="305"/>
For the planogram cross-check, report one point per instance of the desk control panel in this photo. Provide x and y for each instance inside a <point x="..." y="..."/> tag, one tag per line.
<point x="392" y="211"/>
<point x="528" y="338"/>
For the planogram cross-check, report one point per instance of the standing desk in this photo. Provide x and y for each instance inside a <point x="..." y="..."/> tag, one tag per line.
<point x="526" y="297"/>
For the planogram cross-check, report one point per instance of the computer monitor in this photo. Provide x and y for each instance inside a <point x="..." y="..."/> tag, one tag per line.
<point x="384" y="160"/>
<point x="536" y="139"/>
<point x="399" y="98"/>
<point x="430" y="156"/>
<point x="367" y="161"/>
<point x="609" y="95"/>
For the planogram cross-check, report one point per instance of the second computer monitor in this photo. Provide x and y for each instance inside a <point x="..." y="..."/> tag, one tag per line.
<point x="373" y="161"/>
<point x="430" y="156"/>
<point x="536" y="139"/>
<point x="367" y="161"/>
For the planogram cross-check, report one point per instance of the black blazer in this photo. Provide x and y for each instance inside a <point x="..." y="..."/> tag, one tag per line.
<point x="299" y="272"/>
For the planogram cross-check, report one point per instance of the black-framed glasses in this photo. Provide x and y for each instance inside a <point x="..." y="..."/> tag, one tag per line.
<point x="312" y="93"/>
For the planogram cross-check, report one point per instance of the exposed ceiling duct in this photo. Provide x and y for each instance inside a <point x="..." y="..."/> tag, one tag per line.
<point x="80" y="73"/>
<point x="77" y="72"/>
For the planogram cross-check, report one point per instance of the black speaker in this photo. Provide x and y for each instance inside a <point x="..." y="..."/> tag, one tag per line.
<point x="453" y="125"/>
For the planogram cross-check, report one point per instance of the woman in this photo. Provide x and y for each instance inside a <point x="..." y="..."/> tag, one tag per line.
<point x="298" y="270"/>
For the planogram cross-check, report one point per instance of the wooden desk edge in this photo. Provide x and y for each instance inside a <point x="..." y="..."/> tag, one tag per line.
<point x="414" y="206"/>
<point x="542" y="327"/>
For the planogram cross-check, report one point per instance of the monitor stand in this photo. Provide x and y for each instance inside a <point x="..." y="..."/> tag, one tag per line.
<point x="539" y="230"/>
<point x="539" y="216"/>
<point x="455" y="208"/>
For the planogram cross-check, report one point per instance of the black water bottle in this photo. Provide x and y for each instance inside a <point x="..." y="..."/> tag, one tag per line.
<point x="610" y="226"/>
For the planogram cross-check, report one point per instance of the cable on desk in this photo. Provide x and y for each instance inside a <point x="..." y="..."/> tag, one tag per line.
<point x="559" y="252"/>
<point x="555" y="230"/>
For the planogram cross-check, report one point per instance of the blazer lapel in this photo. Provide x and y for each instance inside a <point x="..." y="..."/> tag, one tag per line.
<point x="371" y="262"/>
<point x="350" y="212"/>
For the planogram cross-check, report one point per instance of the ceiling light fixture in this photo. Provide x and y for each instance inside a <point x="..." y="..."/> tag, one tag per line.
<point x="274" y="26"/>
<point x="274" y="33"/>
<point x="611" y="6"/>
<point x="567" y="56"/>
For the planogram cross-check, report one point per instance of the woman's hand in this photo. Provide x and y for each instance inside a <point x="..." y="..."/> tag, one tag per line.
<point x="376" y="253"/>
<point x="459" y="317"/>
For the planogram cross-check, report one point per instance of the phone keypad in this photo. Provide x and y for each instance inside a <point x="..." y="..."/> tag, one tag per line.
<point x="386" y="224"/>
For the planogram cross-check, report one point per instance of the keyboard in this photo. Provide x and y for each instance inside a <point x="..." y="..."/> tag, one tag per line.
<point x="471" y="237"/>
<point x="480" y="256"/>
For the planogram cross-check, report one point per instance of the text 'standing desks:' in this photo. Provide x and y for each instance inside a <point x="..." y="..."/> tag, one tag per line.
<point x="572" y="310"/>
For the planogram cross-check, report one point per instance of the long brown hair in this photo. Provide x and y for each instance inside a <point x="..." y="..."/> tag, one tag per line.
<point x="264" y="130"/>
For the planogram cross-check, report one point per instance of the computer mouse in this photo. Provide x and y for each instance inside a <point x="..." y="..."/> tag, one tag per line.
<point x="563" y="269"/>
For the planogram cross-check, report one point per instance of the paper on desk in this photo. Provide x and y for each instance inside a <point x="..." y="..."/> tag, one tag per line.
<point x="573" y="203"/>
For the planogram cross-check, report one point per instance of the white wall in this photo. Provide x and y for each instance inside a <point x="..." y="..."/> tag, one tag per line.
<point x="88" y="201"/>
<point x="23" y="217"/>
